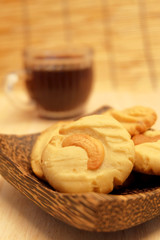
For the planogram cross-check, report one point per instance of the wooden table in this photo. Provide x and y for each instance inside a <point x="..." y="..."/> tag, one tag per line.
<point x="20" y="218"/>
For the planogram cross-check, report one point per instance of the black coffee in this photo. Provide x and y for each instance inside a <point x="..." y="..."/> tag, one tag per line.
<point x="57" y="88"/>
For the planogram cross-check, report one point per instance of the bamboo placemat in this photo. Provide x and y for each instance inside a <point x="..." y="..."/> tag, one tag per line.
<point x="124" y="35"/>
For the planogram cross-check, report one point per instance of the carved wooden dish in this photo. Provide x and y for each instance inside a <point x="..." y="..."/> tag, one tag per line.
<point x="123" y="208"/>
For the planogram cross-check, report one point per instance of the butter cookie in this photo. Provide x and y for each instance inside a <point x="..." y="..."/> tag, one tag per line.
<point x="147" y="152"/>
<point x="137" y="119"/>
<point x="92" y="154"/>
<point x="41" y="141"/>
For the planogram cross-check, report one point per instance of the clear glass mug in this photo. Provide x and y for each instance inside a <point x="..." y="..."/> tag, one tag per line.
<point x="58" y="82"/>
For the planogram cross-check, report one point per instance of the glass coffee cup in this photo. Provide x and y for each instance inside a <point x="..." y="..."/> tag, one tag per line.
<point x="59" y="82"/>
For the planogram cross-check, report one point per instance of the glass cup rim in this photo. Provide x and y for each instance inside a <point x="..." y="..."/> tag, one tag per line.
<point x="59" y="57"/>
<point x="80" y="51"/>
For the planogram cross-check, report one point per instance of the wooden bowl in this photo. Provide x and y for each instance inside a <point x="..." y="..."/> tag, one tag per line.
<point x="136" y="202"/>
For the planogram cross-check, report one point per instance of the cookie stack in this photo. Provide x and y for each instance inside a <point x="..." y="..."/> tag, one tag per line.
<point x="97" y="153"/>
<point x="138" y="121"/>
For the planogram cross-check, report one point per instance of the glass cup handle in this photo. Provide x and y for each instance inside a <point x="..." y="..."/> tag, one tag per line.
<point x="20" y="99"/>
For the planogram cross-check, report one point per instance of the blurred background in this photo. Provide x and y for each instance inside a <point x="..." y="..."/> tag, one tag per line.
<point x="124" y="34"/>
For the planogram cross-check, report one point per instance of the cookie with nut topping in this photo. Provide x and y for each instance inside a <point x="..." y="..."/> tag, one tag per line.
<point x="92" y="154"/>
<point x="147" y="152"/>
<point x="137" y="119"/>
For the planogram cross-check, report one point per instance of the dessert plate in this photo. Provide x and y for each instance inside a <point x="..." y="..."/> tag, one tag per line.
<point x="136" y="202"/>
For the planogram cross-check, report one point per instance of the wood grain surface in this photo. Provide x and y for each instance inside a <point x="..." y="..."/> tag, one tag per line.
<point x="136" y="202"/>
<point x="124" y="35"/>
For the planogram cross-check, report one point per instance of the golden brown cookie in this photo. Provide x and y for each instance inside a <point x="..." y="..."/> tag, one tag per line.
<point x="137" y="119"/>
<point x="39" y="146"/>
<point x="142" y="138"/>
<point x="94" y="153"/>
<point x="147" y="152"/>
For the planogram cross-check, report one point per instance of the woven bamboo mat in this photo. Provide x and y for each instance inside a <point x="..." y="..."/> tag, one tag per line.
<point x="124" y="34"/>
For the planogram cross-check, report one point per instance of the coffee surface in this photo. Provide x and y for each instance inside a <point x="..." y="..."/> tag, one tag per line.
<point x="59" y="89"/>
